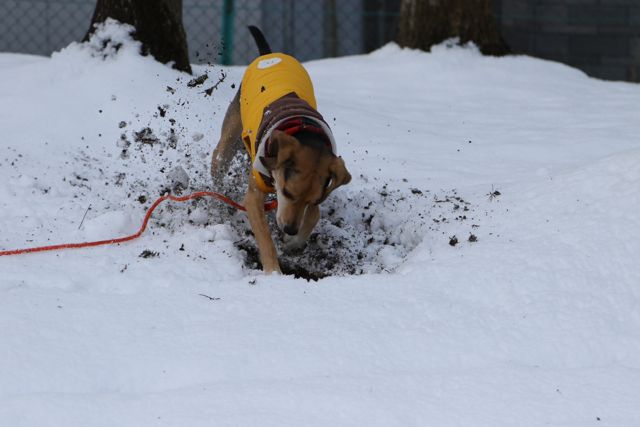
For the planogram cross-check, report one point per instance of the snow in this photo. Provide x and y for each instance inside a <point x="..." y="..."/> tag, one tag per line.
<point x="536" y="323"/>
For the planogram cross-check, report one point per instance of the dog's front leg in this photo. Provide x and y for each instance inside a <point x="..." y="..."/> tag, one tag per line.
<point x="254" y="203"/>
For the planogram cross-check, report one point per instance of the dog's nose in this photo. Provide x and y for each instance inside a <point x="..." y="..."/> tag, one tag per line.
<point x="291" y="230"/>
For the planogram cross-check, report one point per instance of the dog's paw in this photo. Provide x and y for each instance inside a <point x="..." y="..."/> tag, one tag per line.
<point x="293" y="244"/>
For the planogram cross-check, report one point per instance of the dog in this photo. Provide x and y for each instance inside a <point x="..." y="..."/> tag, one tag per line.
<point x="292" y="150"/>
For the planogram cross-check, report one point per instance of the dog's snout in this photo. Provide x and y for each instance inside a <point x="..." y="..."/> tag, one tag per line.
<point x="291" y="230"/>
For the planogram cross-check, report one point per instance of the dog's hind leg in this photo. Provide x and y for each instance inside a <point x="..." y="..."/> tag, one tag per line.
<point x="229" y="144"/>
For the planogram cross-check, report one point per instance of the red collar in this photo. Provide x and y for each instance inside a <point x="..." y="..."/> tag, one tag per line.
<point x="298" y="124"/>
<point x="291" y="127"/>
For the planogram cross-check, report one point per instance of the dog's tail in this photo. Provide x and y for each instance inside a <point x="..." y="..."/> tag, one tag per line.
<point x="263" y="46"/>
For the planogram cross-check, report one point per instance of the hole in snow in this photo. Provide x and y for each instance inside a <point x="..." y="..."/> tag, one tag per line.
<point x="364" y="231"/>
<point x="364" y="227"/>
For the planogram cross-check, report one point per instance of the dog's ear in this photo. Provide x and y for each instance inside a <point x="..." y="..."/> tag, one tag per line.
<point x="339" y="175"/>
<point x="281" y="148"/>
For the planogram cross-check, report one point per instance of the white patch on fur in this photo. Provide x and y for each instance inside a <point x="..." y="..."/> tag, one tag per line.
<point x="282" y="204"/>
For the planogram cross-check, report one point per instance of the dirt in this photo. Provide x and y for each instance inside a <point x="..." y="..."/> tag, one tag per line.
<point x="288" y="267"/>
<point x="361" y="230"/>
<point x="148" y="254"/>
<point x="311" y="263"/>
<point x="197" y="81"/>
<point x="366" y="227"/>
<point x="146" y="136"/>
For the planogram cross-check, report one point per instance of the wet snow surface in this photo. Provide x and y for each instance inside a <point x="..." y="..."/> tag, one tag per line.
<point x="480" y="269"/>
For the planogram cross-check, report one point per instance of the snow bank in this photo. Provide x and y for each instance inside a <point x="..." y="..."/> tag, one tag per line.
<point x="481" y="265"/>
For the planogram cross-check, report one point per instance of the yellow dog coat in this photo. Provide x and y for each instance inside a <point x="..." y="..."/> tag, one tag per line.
<point x="267" y="79"/>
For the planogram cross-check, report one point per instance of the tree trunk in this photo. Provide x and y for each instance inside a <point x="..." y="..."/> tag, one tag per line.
<point x="424" y="23"/>
<point x="158" y="25"/>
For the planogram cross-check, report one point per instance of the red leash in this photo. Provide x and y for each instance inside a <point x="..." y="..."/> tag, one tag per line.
<point x="267" y="207"/>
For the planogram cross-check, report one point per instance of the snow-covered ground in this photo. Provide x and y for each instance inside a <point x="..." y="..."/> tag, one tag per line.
<point x="536" y="322"/>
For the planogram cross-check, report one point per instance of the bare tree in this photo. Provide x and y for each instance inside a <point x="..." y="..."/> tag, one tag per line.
<point x="424" y="23"/>
<point x="158" y="25"/>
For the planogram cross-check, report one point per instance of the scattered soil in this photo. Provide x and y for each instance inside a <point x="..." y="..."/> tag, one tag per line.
<point x="148" y="254"/>
<point x="145" y="136"/>
<point x="197" y="81"/>
<point x="366" y="227"/>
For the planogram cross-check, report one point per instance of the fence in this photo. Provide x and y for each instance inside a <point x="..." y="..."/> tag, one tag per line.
<point x="41" y="27"/>
<point x="600" y="37"/>
<point x="308" y="29"/>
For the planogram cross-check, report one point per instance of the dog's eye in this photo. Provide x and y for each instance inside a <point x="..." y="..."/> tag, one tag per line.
<point x="287" y="173"/>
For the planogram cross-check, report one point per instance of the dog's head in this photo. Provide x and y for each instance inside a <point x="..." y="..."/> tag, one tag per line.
<point x="303" y="174"/>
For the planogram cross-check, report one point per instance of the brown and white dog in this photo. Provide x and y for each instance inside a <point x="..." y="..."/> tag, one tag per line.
<point x="292" y="149"/>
